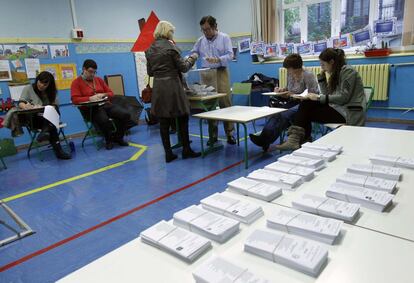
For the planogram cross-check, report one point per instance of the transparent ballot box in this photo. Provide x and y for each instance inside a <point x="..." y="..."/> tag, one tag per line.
<point x="201" y="82"/>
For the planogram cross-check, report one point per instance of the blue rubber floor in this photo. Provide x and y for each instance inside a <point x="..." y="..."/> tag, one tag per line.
<point x="85" y="207"/>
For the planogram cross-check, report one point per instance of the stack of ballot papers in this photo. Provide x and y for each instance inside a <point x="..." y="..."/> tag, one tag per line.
<point x="179" y="242"/>
<point x="242" y="211"/>
<point x="323" y="147"/>
<point x="372" y="199"/>
<point x="207" y="224"/>
<point x="255" y="189"/>
<point x="368" y="182"/>
<point x="316" y="164"/>
<point x="327" y="207"/>
<point x="220" y="270"/>
<point x="394" y="161"/>
<point x="385" y="172"/>
<point x="306" y="225"/>
<point x="285" y="181"/>
<point x="294" y="252"/>
<point x="307" y="174"/>
<point x="315" y="154"/>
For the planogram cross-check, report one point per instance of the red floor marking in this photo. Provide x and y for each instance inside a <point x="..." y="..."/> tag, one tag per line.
<point x="80" y="234"/>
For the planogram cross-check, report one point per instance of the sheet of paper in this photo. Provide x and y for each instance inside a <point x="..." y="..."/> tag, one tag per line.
<point x="51" y="115"/>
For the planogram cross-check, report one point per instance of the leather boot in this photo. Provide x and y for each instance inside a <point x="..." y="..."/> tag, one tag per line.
<point x="165" y="138"/>
<point x="60" y="154"/>
<point x="295" y="136"/>
<point x="183" y="131"/>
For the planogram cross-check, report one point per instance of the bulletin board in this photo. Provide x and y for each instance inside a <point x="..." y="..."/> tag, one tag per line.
<point x="64" y="74"/>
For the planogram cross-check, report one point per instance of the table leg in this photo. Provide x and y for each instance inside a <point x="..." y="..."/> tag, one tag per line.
<point x="201" y="137"/>
<point x="246" y="154"/>
<point x="238" y="134"/>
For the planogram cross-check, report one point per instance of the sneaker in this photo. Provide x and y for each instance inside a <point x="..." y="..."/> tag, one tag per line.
<point x="190" y="154"/>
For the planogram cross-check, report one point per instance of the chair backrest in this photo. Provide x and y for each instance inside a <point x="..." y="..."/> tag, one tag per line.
<point x="115" y="83"/>
<point x="242" y="89"/>
<point x="369" y="94"/>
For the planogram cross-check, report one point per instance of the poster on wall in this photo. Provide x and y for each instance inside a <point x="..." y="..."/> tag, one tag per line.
<point x="286" y="49"/>
<point x="59" y="51"/>
<point x="51" y="68"/>
<point x="32" y="67"/>
<point x="270" y="50"/>
<point x="14" y="51"/>
<point x="244" y="45"/>
<point x="39" y="51"/>
<point x="141" y="68"/>
<point x="67" y="73"/>
<point x="304" y="48"/>
<point x="257" y="48"/>
<point x="64" y="74"/>
<point x="5" y="73"/>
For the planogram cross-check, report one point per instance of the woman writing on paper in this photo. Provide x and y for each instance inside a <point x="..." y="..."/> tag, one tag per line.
<point x="169" y="100"/>
<point x="342" y="99"/>
<point x="42" y="93"/>
<point x="298" y="80"/>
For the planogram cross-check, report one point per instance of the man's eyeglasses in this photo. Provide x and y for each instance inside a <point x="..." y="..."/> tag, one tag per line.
<point x="205" y="30"/>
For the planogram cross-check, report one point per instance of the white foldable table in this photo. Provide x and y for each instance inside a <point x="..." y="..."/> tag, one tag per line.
<point x="359" y="255"/>
<point x="239" y="115"/>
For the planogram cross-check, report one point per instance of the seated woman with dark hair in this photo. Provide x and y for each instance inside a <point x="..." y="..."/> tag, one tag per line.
<point x="298" y="79"/>
<point x="42" y="93"/>
<point x="342" y="99"/>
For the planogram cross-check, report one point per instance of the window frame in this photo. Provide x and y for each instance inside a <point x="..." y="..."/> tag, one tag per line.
<point x="335" y="16"/>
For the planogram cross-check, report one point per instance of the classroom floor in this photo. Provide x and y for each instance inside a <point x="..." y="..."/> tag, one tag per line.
<point x="86" y="207"/>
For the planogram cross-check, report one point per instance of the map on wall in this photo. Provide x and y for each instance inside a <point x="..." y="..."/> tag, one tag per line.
<point x="141" y="67"/>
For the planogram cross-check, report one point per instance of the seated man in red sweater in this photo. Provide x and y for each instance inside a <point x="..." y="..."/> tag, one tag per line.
<point x="88" y="87"/>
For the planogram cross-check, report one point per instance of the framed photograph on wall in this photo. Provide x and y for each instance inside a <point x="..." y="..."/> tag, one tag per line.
<point x="270" y="50"/>
<point x="257" y="48"/>
<point x="244" y="45"/>
<point x="304" y="48"/>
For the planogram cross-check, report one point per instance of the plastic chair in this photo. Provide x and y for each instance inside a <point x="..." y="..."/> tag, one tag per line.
<point x="115" y="83"/>
<point x="242" y="89"/>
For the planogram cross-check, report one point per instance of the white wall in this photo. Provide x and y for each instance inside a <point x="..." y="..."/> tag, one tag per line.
<point x="100" y="19"/>
<point x="38" y="18"/>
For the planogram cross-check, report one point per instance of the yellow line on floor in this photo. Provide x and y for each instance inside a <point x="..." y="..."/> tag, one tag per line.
<point x="142" y="149"/>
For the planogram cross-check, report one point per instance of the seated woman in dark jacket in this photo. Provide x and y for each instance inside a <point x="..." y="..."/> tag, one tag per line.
<point x="168" y="99"/>
<point x="342" y="99"/>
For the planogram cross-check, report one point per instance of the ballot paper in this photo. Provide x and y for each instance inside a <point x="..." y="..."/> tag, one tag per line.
<point x="285" y="181"/>
<point x="323" y="147"/>
<point x="220" y="270"/>
<point x="172" y="239"/>
<point x="242" y="211"/>
<point x="307" y="174"/>
<point x="207" y="224"/>
<point x="315" y="154"/>
<point x="294" y="252"/>
<point x="327" y="207"/>
<point x="379" y="171"/>
<point x="394" y="161"/>
<point x="303" y="224"/>
<point x="317" y="164"/>
<point x="368" y="182"/>
<point x="255" y="189"/>
<point x="368" y="198"/>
